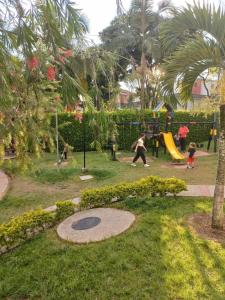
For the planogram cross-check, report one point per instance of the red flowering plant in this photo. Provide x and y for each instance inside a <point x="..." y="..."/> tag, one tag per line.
<point x="51" y="73"/>
<point x="34" y="69"/>
<point x="32" y="63"/>
<point x="64" y="54"/>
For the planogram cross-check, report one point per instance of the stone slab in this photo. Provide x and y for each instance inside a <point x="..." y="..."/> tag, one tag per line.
<point x="4" y="184"/>
<point x="113" y="222"/>
<point x="76" y="201"/>
<point x="199" y="191"/>
<point x="86" y="177"/>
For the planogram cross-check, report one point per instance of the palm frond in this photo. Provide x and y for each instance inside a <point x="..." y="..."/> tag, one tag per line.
<point x="187" y="63"/>
<point x="197" y="18"/>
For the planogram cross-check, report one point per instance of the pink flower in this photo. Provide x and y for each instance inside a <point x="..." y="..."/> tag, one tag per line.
<point x="68" y="53"/>
<point x="32" y="63"/>
<point x="61" y="59"/>
<point x="51" y="73"/>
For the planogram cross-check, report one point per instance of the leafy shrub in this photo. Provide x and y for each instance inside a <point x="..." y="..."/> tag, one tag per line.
<point x="64" y="209"/>
<point x="21" y="228"/>
<point x="152" y="185"/>
<point x="72" y="133"/>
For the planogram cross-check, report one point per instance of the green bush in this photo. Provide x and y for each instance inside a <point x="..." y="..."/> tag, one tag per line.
<point x="72" y="131"/>
<point x="21" y="228"/>
<point x="152" y="185"/>
<point x="64" y="209"/>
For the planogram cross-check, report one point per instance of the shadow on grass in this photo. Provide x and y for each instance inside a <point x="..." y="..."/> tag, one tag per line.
<point x="209" y="266"/>
<point x="157" y="258"/>
<point x="54" y="175"/>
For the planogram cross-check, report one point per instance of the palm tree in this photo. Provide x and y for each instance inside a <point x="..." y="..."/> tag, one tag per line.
<point x="195" y="38"/>
<point x="119" y="7"/>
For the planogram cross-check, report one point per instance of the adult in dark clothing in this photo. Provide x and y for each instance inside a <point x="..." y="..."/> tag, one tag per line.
<point x="140" y="151"/>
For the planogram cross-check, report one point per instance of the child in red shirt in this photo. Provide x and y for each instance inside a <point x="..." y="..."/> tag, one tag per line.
<point x="191" y="151"/>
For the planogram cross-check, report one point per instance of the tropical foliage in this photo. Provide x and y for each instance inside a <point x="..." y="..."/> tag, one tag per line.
<point x="45" y="65"/>
<point x="135" y="37"/>
<point x="195" y="38"/>
<point x="35" y="49"/>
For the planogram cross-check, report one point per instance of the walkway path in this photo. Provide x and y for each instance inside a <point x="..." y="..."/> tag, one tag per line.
<point x="199" y="191"/>
<point x="4" y="184"/>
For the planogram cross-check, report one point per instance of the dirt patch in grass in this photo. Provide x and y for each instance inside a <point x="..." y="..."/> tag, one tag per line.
<point x="200" y="223"/>
<point x="102" y="174"/>
<point x="129" y="159"/>
<point x="174" y="166"/>
<point x="54" y="175"/>
<point x="199" y="153"/>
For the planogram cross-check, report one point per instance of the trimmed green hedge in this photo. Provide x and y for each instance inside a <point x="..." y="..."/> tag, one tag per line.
<point x="72" y="131"/>
<point x="151" y="185"/>
<point x="24" y="227"/>
<point x="64" y="209"/>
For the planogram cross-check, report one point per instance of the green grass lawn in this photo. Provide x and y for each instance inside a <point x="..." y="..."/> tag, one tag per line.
<point x="158" y="258"/>
<point x="44" y="184"/>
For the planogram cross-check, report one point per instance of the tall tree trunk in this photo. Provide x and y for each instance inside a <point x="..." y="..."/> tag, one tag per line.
<point x="142" y="80"/>
<point x="143" y="58"/>
<point x="218" y="203"/>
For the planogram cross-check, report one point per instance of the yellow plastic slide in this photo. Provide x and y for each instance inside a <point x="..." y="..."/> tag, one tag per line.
<point x="171" y="147"/>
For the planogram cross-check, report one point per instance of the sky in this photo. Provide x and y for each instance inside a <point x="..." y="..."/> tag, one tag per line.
<point x="101" y="12"/>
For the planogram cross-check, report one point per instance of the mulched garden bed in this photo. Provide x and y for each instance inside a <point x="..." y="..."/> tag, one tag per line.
<point x="200" y="223"/>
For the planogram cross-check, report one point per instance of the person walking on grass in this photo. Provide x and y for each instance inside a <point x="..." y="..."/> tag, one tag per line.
<point x="191" y="151"/>
<point x="140" y="151"/>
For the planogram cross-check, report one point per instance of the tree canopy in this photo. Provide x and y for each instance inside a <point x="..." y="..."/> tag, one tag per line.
<point x="134" y="36"/>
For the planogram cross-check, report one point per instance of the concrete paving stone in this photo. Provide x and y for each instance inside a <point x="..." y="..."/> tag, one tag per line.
<point x="199" y="191"/>
<point x="4" y="184"/>
<point x="86" y="177"/>
<point x="112" y="222"/>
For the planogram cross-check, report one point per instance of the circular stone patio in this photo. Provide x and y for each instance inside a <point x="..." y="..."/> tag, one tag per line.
<point x="95" y="225"/>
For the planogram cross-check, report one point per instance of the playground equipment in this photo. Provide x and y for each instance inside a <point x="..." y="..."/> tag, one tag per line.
<point x="171" y="147"/>
<point x="163" y="137"/>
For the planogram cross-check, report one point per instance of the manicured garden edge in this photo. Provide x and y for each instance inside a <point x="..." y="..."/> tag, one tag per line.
<point x="22" y="228"/>
<point x="151" y="185"/>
